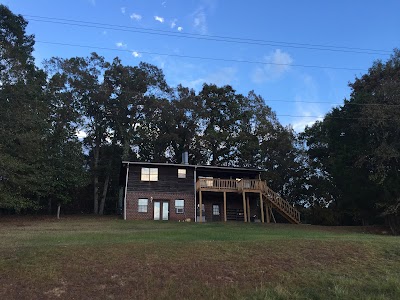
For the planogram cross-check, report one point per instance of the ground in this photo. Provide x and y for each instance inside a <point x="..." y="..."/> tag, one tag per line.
<point x="108" y="258"/>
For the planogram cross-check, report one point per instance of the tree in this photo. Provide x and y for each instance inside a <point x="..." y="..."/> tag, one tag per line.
<point x="23" y="116"/>
<point x="358" y="144"/>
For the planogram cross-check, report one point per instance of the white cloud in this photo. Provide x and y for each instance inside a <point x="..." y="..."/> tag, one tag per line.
<point x="136" y="54"/>
<point x="81" y="134"/>
<point x="159" y="19"/>
<point x="164" y="4"/>
<point x="123" y="10"/>
<point x="220" y="77"/>
<point x="200" y="20"/>
<point x="276" y="65"/>
<point x="120" y="45"/>
<point x="310" y="112"/>
<point x="136" y="17"/>
<point x="180" y="28"/>
<point x="173" y="23"/>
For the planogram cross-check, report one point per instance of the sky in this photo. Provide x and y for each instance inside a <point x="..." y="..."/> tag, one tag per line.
<point x="299" y="56"/>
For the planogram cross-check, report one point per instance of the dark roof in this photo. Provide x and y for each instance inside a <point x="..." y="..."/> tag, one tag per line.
<point x="192" y="166"/>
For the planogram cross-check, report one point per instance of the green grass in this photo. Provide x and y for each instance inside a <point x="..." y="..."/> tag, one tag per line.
<point x="107" y="258"/>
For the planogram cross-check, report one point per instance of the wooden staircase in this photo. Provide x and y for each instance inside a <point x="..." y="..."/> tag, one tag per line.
<point x="270" y="198"/>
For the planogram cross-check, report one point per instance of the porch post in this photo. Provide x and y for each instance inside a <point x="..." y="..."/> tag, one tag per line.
<point x="262" y="208"/>
<point x="248" y="209"/>
<point x="224" y="206"/>
<point x="244" y="206"/>
<point x="200" y="205"/>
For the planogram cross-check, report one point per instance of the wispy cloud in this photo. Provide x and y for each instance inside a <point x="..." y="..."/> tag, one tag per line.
<point x="136" y="54"/>
<point x="123" y="10"/>
<point x="173" y="23"/>
<point x="220" y="77"/>
<point x="121" y="45"/>
<point x="136" y="17"/>
<point x="200" y="20"/>
<point x="159" y="19"/>
<point x="164" y="4"/>
<point x="180" y="28"/>
<point x="92" y="2"/>
<point x="310" y="112"/>
<point x="277" y="64"/>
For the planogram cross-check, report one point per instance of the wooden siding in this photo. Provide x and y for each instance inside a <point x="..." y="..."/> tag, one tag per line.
<point x="168" y="181"/>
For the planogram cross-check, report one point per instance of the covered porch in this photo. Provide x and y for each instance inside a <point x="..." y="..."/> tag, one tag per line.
<point x="241" y="200"/>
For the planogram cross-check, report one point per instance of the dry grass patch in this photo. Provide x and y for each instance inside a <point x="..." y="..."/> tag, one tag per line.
<point x="112" y="259"/>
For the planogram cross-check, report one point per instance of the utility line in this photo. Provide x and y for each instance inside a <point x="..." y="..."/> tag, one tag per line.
<point x="207" y="37"/>
<point x="342" y="118"/>
<point x="241" y="61"/>
<point x="204" y="58"/>
<point x="331" y="103"/>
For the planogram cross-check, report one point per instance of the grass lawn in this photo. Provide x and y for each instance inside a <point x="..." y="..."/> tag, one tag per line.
<point x="108" y="258"/>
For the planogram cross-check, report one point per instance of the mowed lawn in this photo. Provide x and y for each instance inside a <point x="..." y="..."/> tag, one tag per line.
<point x="108" y="258"/>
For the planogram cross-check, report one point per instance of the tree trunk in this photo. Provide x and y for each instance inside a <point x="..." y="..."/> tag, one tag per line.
<point x="49" y="206"/>
<point x="58" y="210"/>
<point x="103" y="198"/>
<point x="96" y="154"/>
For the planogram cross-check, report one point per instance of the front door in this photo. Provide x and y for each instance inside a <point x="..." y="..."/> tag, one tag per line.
<point x="161" y="210"/>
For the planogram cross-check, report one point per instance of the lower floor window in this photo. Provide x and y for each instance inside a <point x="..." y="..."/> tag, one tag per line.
<point x="179" y="206"/>
<point x="142" y="205"/>
<point x="216" y="210"/>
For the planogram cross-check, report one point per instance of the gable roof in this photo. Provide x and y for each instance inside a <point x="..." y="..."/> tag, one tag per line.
<point x="194" y="166"/>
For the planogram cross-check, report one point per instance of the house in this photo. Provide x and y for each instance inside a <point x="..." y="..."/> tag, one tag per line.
<point x="184" y="192"/>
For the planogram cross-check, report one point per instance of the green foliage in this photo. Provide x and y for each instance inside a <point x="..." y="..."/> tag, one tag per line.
<point x="357" y="146"/>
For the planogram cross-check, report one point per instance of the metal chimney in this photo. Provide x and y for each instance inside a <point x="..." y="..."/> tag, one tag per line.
<point x="185" y="158"/>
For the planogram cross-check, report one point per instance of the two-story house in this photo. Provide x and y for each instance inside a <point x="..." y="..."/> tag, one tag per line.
<point x="184" y="192"/>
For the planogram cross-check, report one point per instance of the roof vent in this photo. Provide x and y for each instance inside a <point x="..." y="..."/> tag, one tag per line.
<point x="185" y="158"/>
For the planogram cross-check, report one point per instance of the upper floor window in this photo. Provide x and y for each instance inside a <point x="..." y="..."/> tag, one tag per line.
<point x="149" y="174"/>
<point x="181" y="173"/>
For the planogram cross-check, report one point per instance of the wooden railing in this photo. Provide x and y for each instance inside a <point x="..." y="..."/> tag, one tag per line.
<point x="280" y="203"/>
<point x="251" y="185"/>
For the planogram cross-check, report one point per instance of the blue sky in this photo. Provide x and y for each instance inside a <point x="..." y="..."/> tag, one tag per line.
<point x="288" y="30"/>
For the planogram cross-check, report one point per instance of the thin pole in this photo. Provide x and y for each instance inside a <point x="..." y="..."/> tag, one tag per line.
<point x="224" y="206"/>
<point x="244" y="207"/>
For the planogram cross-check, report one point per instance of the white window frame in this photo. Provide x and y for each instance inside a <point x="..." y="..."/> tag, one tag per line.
<point x="213" y="210"/>
<point x="180" y="209"/>
<point x="149" y="174"/>
<point x="143" y="208"/>
<point x="181" y="173"/>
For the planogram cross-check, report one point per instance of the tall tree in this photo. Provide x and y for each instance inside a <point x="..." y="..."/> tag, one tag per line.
<point x="358" y="145"/>
<point x="23" y="116"/>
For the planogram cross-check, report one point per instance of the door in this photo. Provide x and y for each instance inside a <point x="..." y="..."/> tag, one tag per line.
<point x="161" y="210"/>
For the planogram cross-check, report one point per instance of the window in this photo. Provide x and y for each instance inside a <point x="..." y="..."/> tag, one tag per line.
<point x="181" y="173"/>
<point x="142" y="205"/>
<point x="179" y="206"/>
<point x="149" y="174"/>
<point x="215" y="210"/>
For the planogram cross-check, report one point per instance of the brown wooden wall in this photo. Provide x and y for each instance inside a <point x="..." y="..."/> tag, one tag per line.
<point x="168" y="181"/>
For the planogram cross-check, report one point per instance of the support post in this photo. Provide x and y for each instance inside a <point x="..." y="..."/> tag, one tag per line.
<point x="201" y="206"/>
<point x="262" y="208"/>
<point x="268" y="212"/>
<point x="244" y="207"/>
<point x="224" y="206"/>
<point x="248" y="209"/>
<point x="272" y="215"/>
